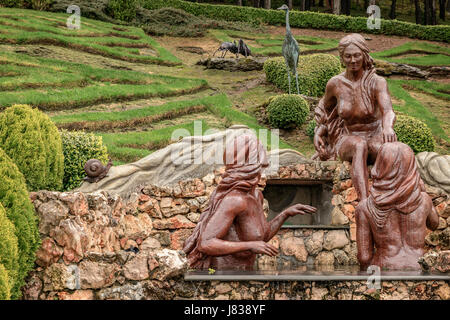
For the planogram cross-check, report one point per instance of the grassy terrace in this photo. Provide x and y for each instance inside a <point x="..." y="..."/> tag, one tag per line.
<point x="52" y="84"/>
<point x="416" y="53"/>
<point x="131" y="146"/>
<point x="18" y="26"/>
<point x="270" y="45"/>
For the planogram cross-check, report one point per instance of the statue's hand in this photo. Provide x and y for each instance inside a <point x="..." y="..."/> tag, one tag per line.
<point x="299" y="209"/>
<point x="389" y="135"/>
<point x="263" y="248"/>
<point x="319" y="144"/>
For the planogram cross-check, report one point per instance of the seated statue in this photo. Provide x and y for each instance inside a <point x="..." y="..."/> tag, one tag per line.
<point x="234" y="228"/>
<point x="355" y="116"/>
<point x="391" y="223"/>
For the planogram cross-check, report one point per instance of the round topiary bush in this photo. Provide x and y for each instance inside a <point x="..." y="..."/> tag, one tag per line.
<point x="20" y="211"/>
<point x="314" y="71"/>
<point x="32" y="141"/>
<point x="9" y="252"/>
<point x="79" y="147"/>
<point x="287" y="111"/>
<point x="414" y="133"/>
<point x="5" y="289"/>
<point x="310" y="128"/>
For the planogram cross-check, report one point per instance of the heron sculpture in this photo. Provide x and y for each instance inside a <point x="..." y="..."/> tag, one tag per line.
<point x="290" y="51"/>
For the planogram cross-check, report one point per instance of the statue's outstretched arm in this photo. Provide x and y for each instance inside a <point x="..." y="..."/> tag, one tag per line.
<point x="388" y="116"/>
<point x="275" y="224"/>
<point x="217" y="228"/>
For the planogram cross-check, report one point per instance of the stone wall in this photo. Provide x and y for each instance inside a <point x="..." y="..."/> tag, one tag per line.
<point x="99" y="246"/>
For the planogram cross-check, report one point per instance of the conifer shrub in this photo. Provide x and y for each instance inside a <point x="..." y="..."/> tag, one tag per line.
<point x="20" y="211"/>
<point x="32" y="141"/>
<point x="9" y="251"/>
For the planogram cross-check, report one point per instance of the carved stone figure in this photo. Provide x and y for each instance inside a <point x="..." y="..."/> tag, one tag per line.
<point x="355" y="116"/>
<point x="95" y="170"/>
<point x="234" y="229"/>
<point x="391" y="223"/>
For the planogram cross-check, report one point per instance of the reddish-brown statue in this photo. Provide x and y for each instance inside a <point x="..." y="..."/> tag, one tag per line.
<point x="355" y="116"/>
<point x="391" y="223"/>
<point x="234" y="228"/>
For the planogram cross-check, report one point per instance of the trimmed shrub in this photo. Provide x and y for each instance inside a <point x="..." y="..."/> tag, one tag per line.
<point x="287" y="111"/>
<point x="5" y="289"/>
<point x="414" y="133"/>
<point x="310" y="128"/>
<point x="314" y="71"/>
<point x="20" y="211"/>
<point x="31" y="139"/>
<point x="41" y="4"/>
<point x="124" y="10"/>
<point x="9" y="252"/>
<point x="79" y="147"/>
<point x="304" y="19"/>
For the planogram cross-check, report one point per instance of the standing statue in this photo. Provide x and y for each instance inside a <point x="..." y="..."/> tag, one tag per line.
<point x="355" y="116"/>
<point x="391" y="223"/>
<point x="234" y="229"/>
<point x="290" y="51"/>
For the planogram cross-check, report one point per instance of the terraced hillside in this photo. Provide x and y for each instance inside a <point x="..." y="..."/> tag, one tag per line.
<point x="135" y="90"/>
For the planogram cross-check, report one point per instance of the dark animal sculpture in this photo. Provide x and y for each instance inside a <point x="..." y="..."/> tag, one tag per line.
<point x="243" y="49"/>
<point x="391" y="223"/>
<point x="228" y="47"/>
<point x="290" y="51"/>
<point x="95" y="170"/>
<point x="234" y="229"/>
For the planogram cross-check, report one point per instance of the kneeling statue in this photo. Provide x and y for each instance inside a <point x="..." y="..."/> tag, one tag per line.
<point x="234" y="228"/>
<point x="391" y="223"/>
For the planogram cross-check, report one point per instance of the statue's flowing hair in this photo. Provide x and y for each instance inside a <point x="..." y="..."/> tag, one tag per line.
<point x="397" y="185"/>
<point x="244" y="157"/>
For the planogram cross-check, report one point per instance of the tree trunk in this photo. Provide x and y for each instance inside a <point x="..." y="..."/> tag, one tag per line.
<point x="393" y="14"/>
<point x="427" y="13"/>
<point x="239" y="2"/>
<point x="337" y="7"/>
<point x="290" y="4"/>
<point x="256" y="3"/>
<point x="267" y="4"/>
<point x="345" y="7"/>
<point x="442" y="9"/>
<point x="417" y="7"/>
<point x="433" y="12"/>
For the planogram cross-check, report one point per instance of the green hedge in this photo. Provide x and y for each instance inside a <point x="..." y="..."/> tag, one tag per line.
<point x="9" y="252"/>
<point x="314" y="71"/>
<point x="30" y="138"/>
<point x="304" y="19"/>
<point x="287" y="111"/>
<point x="124" y="10"/>
<point x="78" y="148"/>
<point x="20" y="211"/>
<point x="5" y="289"/>
<point x="414" y="133"/>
